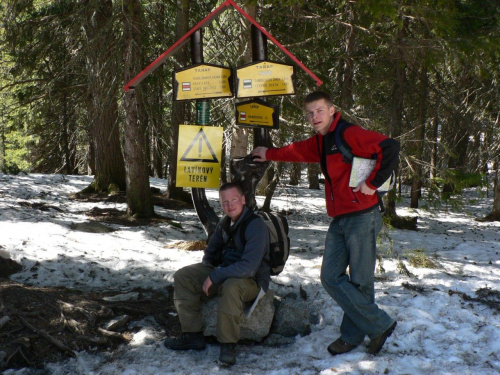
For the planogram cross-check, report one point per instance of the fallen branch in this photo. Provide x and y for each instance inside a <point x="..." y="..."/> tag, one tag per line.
<point x="68" y="308"/>
<point x="115" y="335"/>
<point x="492" y="304"/>
<point x="72" y="324"/>
<point x="19" y="350"/>
<point x="48" y="337"/>
<point x="416" y="288"/>
<point x="101" y="341"/>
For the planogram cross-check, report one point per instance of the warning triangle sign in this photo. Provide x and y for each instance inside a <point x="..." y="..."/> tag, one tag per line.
<point x="200" y="150"/>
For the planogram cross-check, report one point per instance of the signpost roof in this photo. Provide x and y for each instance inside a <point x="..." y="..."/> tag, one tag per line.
<point x="221" y="8"/>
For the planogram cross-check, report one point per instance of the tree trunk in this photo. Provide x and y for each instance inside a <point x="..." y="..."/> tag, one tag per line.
<point x="295" y="173"/>
<point x="178" y="108"/>
<point x="223" y="162"/>
<point x="313" y="171"/>
<point x="457" y="139"/>
<point x="397" y="107"/>
<point x="239" y="141"/>
<point x="434" y="149"/>
<point x="103" y="107"/>
<point x="273" y="176"/>
<point x="348" y="74"/>
<point x="494" y="215"/>
<point x="418" y="149"/>
<point x="68" y="142"/>
<point x="139" y="198"/>
<point x="156" y="139"/>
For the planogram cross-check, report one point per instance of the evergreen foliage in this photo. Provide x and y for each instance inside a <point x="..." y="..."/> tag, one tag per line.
<point x="424" y="72"/>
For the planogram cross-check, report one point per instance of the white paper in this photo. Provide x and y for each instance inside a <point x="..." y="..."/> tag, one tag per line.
<point x="248" y="311"/>
<point x="361" y="170"/>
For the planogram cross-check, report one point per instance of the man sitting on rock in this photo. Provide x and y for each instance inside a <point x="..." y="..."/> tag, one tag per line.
<point x="234" y="270"/>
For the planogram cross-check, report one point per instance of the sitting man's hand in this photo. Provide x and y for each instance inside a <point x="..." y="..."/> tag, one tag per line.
<point x="206" y="285"/>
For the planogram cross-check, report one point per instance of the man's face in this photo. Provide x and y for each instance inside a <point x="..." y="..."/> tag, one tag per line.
<point x="320" y="115"/>
<point x="232" y="203"/>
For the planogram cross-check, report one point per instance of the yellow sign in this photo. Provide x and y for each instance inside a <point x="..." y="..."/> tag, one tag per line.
<point x="264" y="78"/>
<point x="257" y="113"/>
<point x="202" y="82"/>
<point x="198" y="156"/>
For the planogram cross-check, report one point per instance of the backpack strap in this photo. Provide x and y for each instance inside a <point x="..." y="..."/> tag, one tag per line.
<point x="340" y="141"/>
<point x="242" y="227"/>
<point x="322" y="160"/>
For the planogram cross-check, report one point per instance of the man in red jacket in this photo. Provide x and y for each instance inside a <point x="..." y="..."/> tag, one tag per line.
<point x="352" y="236"/>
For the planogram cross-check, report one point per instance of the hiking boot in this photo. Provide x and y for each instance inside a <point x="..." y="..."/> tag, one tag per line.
<point x="186" y="341"/>
<point x="339" y="346"/>
<point x="377" y="343"/>
<point x="227" y="354"/>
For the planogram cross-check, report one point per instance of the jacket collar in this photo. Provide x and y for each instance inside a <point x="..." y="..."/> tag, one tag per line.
<point x="336" y="118"/>
<point x="226" y="220"/>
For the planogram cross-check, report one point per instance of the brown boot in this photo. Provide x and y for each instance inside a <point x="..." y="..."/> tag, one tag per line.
<point x="377" y="343"/>
<point x="339" y="346"/>
<point x="227" y="354"/>
<point x="186" y="341"/>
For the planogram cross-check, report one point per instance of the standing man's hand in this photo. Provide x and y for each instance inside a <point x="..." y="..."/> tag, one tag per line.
<point x="206" y="285"/>
<point x="364" y="189"/>
<point x="260" y="153"/>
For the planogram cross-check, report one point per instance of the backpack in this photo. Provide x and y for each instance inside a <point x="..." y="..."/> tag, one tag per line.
<point x="279" y="242"/>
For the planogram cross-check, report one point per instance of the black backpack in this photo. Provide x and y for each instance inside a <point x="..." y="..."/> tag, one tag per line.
<point x="279" y="242"/>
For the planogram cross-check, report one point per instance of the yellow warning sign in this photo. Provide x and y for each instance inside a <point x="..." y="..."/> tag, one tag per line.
<point x="198" y="156"/>
<point x="264" y="78"/>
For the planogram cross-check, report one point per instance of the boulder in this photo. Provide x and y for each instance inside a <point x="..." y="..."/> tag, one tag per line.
<point x="276" y="319"/>
<point x="292" y="317"/>
<point x="254" y="328"/>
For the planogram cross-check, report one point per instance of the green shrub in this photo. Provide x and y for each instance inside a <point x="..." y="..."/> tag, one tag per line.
<point x="418" y="258"/>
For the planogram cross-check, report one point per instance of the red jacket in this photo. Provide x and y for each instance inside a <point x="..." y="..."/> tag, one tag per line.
<point x="340" y="198"/>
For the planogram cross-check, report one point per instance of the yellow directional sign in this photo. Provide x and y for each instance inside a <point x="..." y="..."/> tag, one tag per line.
<point x="257" y="113"/>
<point x="204" y="81"/>
<point x="198" y="156"/>
<point x="264" y="78"/>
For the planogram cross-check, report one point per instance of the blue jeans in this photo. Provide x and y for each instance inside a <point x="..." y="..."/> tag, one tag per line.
<point x="352" y="242"/>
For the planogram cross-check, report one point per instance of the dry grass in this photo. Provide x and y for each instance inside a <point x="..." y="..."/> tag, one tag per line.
<point x="188" y="245"/>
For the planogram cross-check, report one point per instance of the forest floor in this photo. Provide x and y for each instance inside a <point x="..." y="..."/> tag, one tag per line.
<point x="49" y="324"/>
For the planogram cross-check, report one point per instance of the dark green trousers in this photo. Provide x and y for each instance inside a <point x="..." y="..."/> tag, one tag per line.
<point x="233" y="292"/>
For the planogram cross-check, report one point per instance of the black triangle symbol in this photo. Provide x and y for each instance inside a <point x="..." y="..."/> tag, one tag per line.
<point x="204" y="139"/>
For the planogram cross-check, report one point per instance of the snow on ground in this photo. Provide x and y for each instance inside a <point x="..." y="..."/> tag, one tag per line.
<point x="437" y="332"/>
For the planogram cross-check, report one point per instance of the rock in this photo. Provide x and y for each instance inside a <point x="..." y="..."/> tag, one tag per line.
<point x="255" y="328"/>
<point x="8" y="267"/>
<point x="292" y="318"/>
